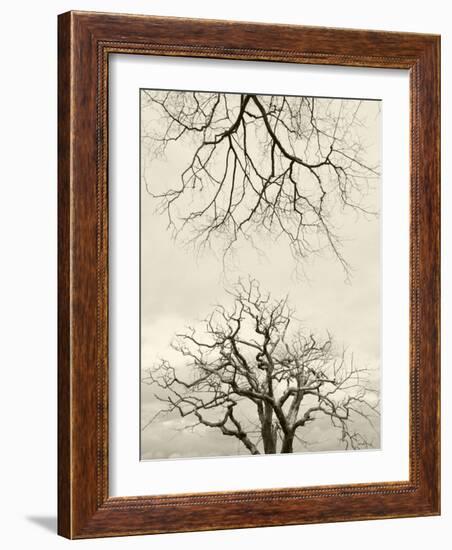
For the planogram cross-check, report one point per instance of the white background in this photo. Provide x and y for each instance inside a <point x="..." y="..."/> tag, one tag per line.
<point x="128" y="476"/>
<point x="28" y="272"/>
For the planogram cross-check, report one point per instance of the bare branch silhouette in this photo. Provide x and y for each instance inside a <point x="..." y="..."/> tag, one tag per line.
<point x="260" y="167"/>
<point x="256" y="357"/>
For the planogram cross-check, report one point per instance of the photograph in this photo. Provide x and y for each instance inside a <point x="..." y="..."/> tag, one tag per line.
<point x="224" y="237"/>
<point x="224" y="242"/>
<point x="260" y="272"/>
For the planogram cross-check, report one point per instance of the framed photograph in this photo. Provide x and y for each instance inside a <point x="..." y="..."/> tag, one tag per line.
<point x="249" y="275"/>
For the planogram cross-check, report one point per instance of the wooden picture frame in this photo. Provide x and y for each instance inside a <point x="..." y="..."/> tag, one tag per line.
<point x="85" y="42"/>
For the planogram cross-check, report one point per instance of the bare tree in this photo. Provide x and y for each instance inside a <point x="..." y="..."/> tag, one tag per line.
<point x="260" y="167"/>
<point x="254" y="374"/>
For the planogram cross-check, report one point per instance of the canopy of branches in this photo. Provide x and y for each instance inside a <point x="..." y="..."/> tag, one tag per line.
<point x="260" y="167"/>
<point x="255" y="361"/>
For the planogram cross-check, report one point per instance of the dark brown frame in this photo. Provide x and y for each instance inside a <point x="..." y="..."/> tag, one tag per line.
<point x="84" y="44"/>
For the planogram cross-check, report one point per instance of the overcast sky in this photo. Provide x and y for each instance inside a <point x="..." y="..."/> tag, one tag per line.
<point x="178" y="288"/>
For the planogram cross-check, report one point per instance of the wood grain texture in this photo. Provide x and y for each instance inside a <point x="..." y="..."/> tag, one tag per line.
<point x="64" y="295"/>
<point x="85" y="42"/>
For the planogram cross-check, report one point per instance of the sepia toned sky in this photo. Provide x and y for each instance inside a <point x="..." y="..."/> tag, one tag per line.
<point x="179" y="288"/>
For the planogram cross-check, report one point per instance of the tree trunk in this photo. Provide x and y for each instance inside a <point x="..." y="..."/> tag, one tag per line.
<point x="287" y="444"/>
<point x="268" y="433"/>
